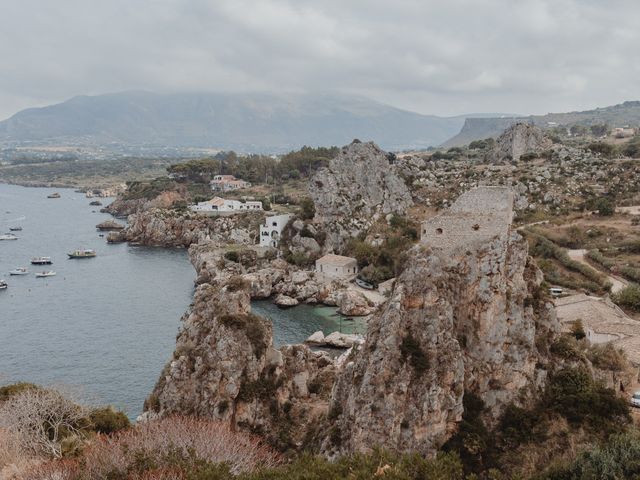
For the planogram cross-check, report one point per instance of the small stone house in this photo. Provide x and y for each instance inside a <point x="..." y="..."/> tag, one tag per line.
<point x="271" y="230"/>
<point x="336" y="267"/>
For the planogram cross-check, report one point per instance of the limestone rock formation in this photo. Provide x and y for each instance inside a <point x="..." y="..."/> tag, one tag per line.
<point x="358" y="187"/>
<point x="225" y="367"/>
<point x="517" y="140"/>
<point x="458" y="320"/>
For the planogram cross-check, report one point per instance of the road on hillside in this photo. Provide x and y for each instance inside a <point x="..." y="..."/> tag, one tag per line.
<point x="617" y="284"/>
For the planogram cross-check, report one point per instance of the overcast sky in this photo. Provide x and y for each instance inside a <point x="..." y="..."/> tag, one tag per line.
<point x="439" y="57"/>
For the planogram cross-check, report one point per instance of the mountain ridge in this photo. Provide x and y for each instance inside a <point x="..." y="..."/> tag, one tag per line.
<point x="251" y="122"/>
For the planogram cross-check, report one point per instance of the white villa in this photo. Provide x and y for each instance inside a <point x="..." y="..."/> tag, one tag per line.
<point x="225" y="183"/>
<point x="221" y="206"/>
<point x="336" y="267"/>
<point x="271" y="230"/>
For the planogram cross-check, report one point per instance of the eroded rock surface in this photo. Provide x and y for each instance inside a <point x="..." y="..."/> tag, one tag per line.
<point x="517" y="140"/>
<point x="358" y="187"/>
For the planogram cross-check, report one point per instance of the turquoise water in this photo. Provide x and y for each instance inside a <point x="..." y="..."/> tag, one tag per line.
<point x="294" y="325"/>
<point x="105" y="325"/>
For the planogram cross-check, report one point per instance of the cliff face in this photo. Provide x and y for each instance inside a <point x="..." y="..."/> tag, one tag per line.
<point x="455" y="323"/>
<point x="169" y="228"/>
<point x="225" y="367"/>
<point x="358" y="187"/>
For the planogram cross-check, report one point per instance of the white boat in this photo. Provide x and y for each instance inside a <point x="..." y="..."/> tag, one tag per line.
<point x="19" y="271"/>
<point x="3" y="285"/>
<point x="8" y="236"/>
<point x="41" y="261"/>
<point x="45" y="274"/>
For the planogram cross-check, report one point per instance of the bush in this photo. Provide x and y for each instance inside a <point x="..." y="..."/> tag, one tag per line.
<point x="628" y="297"/>
<point x="573" y="393"/>
<point x="577" y="330"/>
<point x="108" y="420"/>
<point x="618" y="458"/>
<point x="9" y="391"/>
<point x="607" y="357"/>
<point x="307" y="209"/>
<point x="605" y="207"/>
<point x="237" y="283"/>
<point x="567" y="347"/>
<point x="178" y="445"/>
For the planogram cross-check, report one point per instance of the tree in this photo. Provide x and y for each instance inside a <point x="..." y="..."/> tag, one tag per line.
<point x="41" y="419"/>
<point x="605" y="207"/>
<point x="308" y="209"/>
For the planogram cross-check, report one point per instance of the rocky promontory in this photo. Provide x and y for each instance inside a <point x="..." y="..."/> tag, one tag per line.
<point x="359" y="187"/>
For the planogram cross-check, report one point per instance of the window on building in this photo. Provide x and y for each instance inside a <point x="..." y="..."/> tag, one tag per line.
<point x="439" y="231"/>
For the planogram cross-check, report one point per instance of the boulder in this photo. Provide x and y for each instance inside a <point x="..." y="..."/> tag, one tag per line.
<point x="353" y="303"/>
<point x="285" y="301"/>
<point x="316" y="338"/>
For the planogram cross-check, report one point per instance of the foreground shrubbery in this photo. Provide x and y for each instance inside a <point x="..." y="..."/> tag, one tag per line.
<point x="180" y="447"/>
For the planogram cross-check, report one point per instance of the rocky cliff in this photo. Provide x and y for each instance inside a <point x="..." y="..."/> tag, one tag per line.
<point x="517" y="140"/>
<point x="359" y="186"/>
<point x="172" y="228"/>
<point x="472" y="321"/>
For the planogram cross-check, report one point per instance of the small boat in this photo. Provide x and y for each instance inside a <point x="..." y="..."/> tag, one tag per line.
<point x="3" y="285"/>
<point x="54" y="195"/>
<point x="96" y="203"/>
<point x="19" y="271"/>
<point x="41" y="261"/>
<point x="88" y="253"/>
<point x="15" y="229"/>
<point x="49" y="273"/>
<point x="8" y="236"/>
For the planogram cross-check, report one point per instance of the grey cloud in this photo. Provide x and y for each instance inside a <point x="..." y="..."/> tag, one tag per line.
<point x="529" y="56"/>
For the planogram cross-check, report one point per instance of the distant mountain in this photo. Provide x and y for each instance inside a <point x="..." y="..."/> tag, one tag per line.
<point x="627" y="113"/>
<point x="243" y="122"/>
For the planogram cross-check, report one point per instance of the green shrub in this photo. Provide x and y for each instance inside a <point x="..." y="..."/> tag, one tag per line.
<point x="617" y="459"/>
<point x="628" y="297"/>
<point x="577" y="330"/>
<point x="573" y="393"/>
<point x="307" y="209"/>
<point x="567" y="347"/>
<point x="8" y="391"/>
<point x="108" y="420"/>
<point x="607" y="357"/>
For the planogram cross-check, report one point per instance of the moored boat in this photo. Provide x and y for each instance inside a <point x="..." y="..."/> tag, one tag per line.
<point x="54" y="195"/>
<point x="3" y="285"/>
<point x="48" y="273"/>
<point x="8" y="236"/>
<point x="86" y="253"/>
<point x="96" y="203"/>
<point x="19" y="271"/>
<point x="15" y="229"/>
<point x="41" y="261"/>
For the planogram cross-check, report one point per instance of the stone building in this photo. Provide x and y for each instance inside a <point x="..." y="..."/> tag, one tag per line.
<point x="271" y="230"/>
<point x="226" y="183"/>
<point x="336" y="267"/>
<point x="477" y="216"/>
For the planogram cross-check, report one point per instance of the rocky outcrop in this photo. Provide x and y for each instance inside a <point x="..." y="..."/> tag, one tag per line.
<point x="359" y="187"/>
<point x="172" y="228"/>
<point x="470" y="321"/>
<point x="517" y="140"/>
<point x="225" y="367"/>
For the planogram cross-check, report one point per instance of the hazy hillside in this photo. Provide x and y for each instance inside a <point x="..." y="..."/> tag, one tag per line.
<point x="255" y="122"/>
<point x="627" y="113"/>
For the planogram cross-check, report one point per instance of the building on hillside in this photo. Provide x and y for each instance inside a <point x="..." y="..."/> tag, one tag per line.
<point x="336" y="267"/>
<point x="476" y="217"/>
<point x="221" y="206"/>
<point x="623" y="132"/>
<point x="271" y="230"/>
<point x="226" y="183"/>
